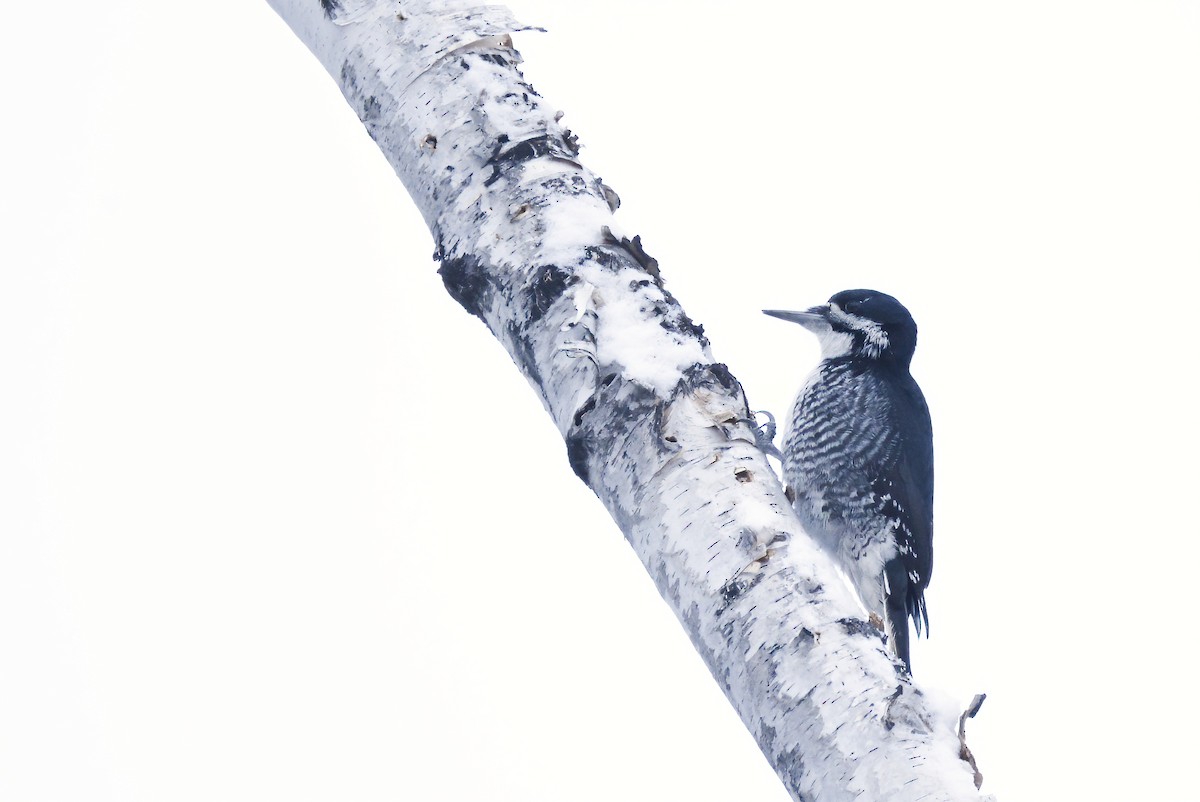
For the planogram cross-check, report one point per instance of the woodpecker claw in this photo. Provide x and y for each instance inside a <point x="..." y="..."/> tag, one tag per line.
<point x="764" y="435"/>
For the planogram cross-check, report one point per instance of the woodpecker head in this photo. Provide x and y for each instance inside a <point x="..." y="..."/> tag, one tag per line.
<point x="861" y="324"/>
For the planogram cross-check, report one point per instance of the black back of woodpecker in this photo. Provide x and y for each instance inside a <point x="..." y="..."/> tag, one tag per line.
<point x="858" y="456"/>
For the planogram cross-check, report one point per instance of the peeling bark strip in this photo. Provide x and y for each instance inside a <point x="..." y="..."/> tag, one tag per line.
<point x="659" y="431"/>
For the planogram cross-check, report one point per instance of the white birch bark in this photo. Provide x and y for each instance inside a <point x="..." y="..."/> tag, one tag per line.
<point x="657" y="429"/>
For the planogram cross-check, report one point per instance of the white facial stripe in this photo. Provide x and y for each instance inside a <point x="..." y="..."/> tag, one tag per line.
<point x="834" y="343"/>
<point x="875" y="339"/>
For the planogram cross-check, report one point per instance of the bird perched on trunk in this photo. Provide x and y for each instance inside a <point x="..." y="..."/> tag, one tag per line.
<point x="858" y="456"/>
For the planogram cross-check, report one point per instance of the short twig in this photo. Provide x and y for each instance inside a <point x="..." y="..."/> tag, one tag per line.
<point x="963" y="751"/>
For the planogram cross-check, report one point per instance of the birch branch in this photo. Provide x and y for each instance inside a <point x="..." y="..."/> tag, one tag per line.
<point x="653" y="425"/>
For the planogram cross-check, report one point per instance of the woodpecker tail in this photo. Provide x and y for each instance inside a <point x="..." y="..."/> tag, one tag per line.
<point x="898" y="604"/>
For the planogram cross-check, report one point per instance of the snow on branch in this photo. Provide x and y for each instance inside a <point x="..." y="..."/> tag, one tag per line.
<point x="661" y="432"/>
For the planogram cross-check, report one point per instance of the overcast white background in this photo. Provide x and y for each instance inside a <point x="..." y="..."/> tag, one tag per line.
<point x="279" y="521"/>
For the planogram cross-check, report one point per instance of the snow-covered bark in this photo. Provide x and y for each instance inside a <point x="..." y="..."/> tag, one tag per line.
<point x="658" y="430"/>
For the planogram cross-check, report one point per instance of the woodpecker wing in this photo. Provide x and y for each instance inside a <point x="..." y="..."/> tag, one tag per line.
<point x="906" y="480"/>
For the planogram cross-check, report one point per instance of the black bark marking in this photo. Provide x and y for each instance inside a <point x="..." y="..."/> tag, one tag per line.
<point x="496" y="59"/>
<point x="715" y="376"/>
<point x="804" y="639"/>
<point x="526" y="150"/>
<point x="571" y="141"/>
<point x="523" y="353"/>
<point x="791" y="765"/>
<point x="580" y="437"/>
<point x="720" y="372"/>
<point x="766" y="738"/>
<point x="371" y="109"/>
<point x="747" y="539"/>
<point x="345" y="11"/>
<point x="635" y="249"/>
<point x="578" y="452"/>
<point x="368" y="107"/>
<point x="467" y="282"/>
<point x="571" y="184"/>
<point x="671" y="316"/>
<point x="857" y="626"/>
<point x="584" y="409"/>
<point x="548" y="286"/>
<point x="788" y="764"/>
<point x="603" y="258"/>
<point x="349" y="78"/>
<point x="735" y="588"/>
<point x="622" y="417"/>
<point x="684" y="325"/>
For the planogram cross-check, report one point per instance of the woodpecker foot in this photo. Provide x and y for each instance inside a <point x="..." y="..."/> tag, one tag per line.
<point x="876" y="622"/>
<point x="764" y="435"/>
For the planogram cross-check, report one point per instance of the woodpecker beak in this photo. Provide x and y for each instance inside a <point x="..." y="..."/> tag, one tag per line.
<point x="815" y="319"/>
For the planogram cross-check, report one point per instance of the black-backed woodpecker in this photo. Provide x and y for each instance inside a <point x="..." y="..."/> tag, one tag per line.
<point x="858" y="456"/>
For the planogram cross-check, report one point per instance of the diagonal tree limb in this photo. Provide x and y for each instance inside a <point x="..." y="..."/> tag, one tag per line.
<point x="660" y="432"/>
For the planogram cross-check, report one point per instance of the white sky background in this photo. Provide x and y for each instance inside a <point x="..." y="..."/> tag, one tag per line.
<point x="278" y="520"/>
